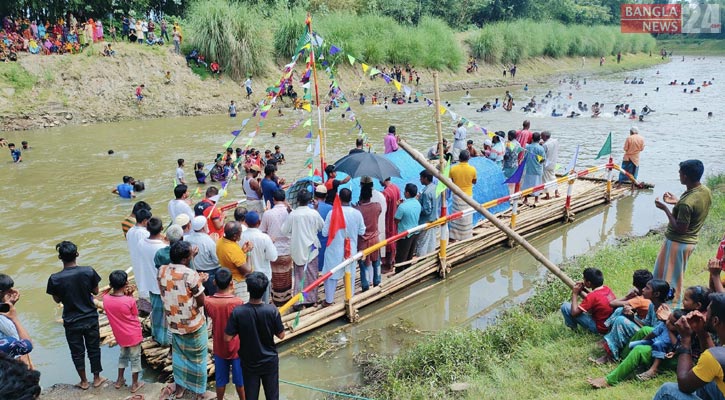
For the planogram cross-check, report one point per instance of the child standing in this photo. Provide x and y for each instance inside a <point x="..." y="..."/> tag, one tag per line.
<point x="218" y="308"/>
<point x="122" y="314"/>
<point x="233" y="109"/>
<point x="595" y="309"/>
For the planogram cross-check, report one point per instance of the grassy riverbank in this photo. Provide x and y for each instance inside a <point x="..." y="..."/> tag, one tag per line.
<point x="529" y="353"/>
<point x="699" y="47"/>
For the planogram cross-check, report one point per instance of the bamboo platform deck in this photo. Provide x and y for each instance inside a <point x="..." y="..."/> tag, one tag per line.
<point x="586" y="194"/>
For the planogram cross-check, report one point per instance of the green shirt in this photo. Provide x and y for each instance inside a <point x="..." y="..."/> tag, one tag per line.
<point x="692" y="210"/>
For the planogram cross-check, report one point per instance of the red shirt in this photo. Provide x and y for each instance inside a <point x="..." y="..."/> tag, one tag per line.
<point x="524" y="137"/>
<point x="219" y="307"/>
<point x="216" y="214"/>
<point x="597" y="305"/>
<point x="123" y="317"/>
<point x="721" y="253"/>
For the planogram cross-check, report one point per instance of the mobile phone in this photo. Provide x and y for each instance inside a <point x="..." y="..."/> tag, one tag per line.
<point x="4" y="307"/>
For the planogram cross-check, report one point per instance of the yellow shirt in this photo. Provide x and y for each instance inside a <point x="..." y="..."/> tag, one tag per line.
<point x="463" y="175"/>
<point x="709" y="367"/>
<point x="231" y="256"/>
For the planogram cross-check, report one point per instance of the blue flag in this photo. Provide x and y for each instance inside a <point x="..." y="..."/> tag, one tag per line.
<point x="334" y="50"/>
<point x="235" y="133"/>
<point x="516" y="177"/>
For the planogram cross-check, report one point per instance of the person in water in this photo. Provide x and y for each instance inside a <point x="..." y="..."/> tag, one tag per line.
<point x="125" y="190"/>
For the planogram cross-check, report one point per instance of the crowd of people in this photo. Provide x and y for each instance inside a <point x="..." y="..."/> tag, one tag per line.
<point x="659" y="324"/>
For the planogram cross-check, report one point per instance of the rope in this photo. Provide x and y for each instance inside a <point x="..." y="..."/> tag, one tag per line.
<point x="350" y="396"/>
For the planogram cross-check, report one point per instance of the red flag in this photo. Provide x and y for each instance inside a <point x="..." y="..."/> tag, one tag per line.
<point x="337" y="220"/>
<point x="347" y="251"/>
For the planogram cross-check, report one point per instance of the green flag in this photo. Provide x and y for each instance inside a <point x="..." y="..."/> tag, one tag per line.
<point x="446" y="172"/>
<point x="607" y="148"/>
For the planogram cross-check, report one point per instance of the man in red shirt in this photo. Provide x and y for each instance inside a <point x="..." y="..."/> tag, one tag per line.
<point x="524" y="137"/>
<point x="219" y="307"/>
<point x="214" y="216"/>
<point x="392" y="199"/>
<point x="594" y="309"/>
<point x="139" y="93"/>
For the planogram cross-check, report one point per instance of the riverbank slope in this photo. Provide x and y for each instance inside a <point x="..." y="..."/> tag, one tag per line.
<point x="528" y="353"/>
<point x="47" y="91"/>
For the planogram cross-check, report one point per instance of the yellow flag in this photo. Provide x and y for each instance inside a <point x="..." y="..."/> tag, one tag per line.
<point x="442" y="110"/>
<point x="397" y="85"/>
<point x="307" y="107"/>
<point x="539" y="158"/>
<point x="365" y="67"/>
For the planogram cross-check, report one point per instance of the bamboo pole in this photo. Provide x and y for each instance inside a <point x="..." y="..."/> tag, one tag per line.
<point x="443" y="265"/>
<point x="320" y="131"/>
<point x="495" y="221"/>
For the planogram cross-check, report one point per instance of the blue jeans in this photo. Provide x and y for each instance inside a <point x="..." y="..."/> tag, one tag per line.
<point x="670" y="391"/>
<point x="368" y="272"/>
<point x="584" y="319"/>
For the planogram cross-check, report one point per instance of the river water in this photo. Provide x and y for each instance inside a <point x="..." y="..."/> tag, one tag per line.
<point x="62" y="192"/>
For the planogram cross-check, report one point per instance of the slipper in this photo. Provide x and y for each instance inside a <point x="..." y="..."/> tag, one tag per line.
<point x="136" y="397"/>
<point x="168" y="391"/>
<point x="140" y="385"/>
<point x="79" y="386"/>
<point x="119" y="384"/>
<point x="597" y="361"/>
<point x="644" y="377"/>
<point x="99" y="384"/>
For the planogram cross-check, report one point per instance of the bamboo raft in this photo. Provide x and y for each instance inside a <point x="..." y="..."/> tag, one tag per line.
<point x="587" y="192"/>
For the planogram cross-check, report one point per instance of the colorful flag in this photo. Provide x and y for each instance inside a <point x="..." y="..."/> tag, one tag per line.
<point x="307" y="107"/>
<point x="607" y="148"/>
<point x="572" y="163"/>
<point x="374" y="71"/>
<point x="442" y="110"/>
<point x="308" y="135"/>
<point x="397" y="85"/>
<point x="351" y="59"/>
<point x="365" y="67"/>
<point x="317" y="146"/>
<point x="334" y="50"/>
<point x="235" y="133"/>
<point x="337" y="220"/>
<point x="308" y="122"/>
<point x="516" y="177"/>
<point x="441" y="187"/>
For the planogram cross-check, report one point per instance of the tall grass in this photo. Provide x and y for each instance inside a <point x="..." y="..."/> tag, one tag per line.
<point x="17" y="77"/>
<point x="375" y="39"/>
<point x="231" y="34"/>
<point x="511" y="42"/>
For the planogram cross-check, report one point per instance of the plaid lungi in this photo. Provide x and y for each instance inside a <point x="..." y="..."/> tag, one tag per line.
<point x="281" y="280"/>
<point x="189" y="359"/>
<point x="159" y="328"/>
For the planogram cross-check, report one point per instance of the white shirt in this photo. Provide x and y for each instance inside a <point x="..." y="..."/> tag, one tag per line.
<point x="459" y="138"/>
<point x="551" y="147"/>
<point x="263" y="252"/>
<point x="248" y="83"/>
<point x="272" y="221"/>
<point x="134" y="235"/>
<point x="180" y="175"/>
<point x="206" y="259"/>
<point x="147" y="275"/>
<point x="177" y="207"/>
<point x="335" y="252"/>
<point x="302" y="227"/>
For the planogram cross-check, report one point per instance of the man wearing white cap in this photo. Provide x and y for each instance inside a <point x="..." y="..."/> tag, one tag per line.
<point x="184" y="222"/>
<point x="180" y="205"/>
<point x="632" y="147"/>
<point x="206" y="259"/>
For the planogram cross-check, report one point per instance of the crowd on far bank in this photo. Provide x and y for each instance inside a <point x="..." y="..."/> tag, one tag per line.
<point x="69" y="35"/>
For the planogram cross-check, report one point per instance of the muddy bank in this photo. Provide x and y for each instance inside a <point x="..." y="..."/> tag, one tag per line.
<point x="149" y="391"/>
<point x="49" y="91"/>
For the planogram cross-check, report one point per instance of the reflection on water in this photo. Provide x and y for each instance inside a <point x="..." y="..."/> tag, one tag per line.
<point x="62" y="191"/>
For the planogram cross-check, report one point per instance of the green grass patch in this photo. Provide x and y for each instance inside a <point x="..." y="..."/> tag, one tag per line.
<point x="529" y="353"/>
<point x="710" y="47"/>
<point x="15" y="76"/>
<point x="514" y="41"/>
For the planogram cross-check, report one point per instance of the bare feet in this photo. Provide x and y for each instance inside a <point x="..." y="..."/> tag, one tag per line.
<point x="547" y="197"/>
<point x="647" y="375"/>
<point x="119" y="383"/>
<point x="84" y="385"/>
<point x="136" y="386"/>
<point x="605" y="359"/>
<point x="598" y="383"/>
<point x="556" y="194"/>
<point x="98" y="381"/>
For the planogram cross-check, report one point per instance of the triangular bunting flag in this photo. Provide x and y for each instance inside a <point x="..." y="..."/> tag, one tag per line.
<point x="249" y="142"/>
<point x="441" y="187"/>
<point x="365" y="67"/>
<point x="245" y="122"/>
<point x="307" y="107"/>
<point x="351" y="59"/>
<point x="454" y="116"/>
<point x="308" y="122"/>
<point x="228" y="144"/>
<point x="516" y="177"/>
<point x="397" y="85"/>
<point x="309" y="148"/>
<point x="317" y="146"/>
<point x="442" y="110"/>
<point x="308" y="163"/>
<point x="308" y="135"/>
<point x="235" y="133"/>
<point x="334" y="50"/>
<point x="374" y="71"/>
<point x="607" y="148"/>
<point x="407" y="91"/>
<point x="337" y="220"/>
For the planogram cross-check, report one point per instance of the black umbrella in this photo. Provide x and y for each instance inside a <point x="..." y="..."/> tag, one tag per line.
<point x="367" y="164"/>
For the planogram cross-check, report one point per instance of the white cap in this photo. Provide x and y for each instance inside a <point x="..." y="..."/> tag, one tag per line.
<point x="198" y="223"/>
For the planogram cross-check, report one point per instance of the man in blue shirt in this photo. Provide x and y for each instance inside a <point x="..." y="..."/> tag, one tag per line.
<point x="407" y="217"/>
<point x="125" y="190"/>
<point x="15" y="153"/>
<point x="270" y="184"/>
<point x="429" y="212"/>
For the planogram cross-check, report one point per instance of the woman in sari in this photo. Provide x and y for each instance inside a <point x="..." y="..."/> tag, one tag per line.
<point x="99" y="32"/>
<point x="90" y="29"/>
<point x="623" y="326"/>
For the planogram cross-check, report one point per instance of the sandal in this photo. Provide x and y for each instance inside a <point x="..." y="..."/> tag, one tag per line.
<point x="645" y="376"/>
